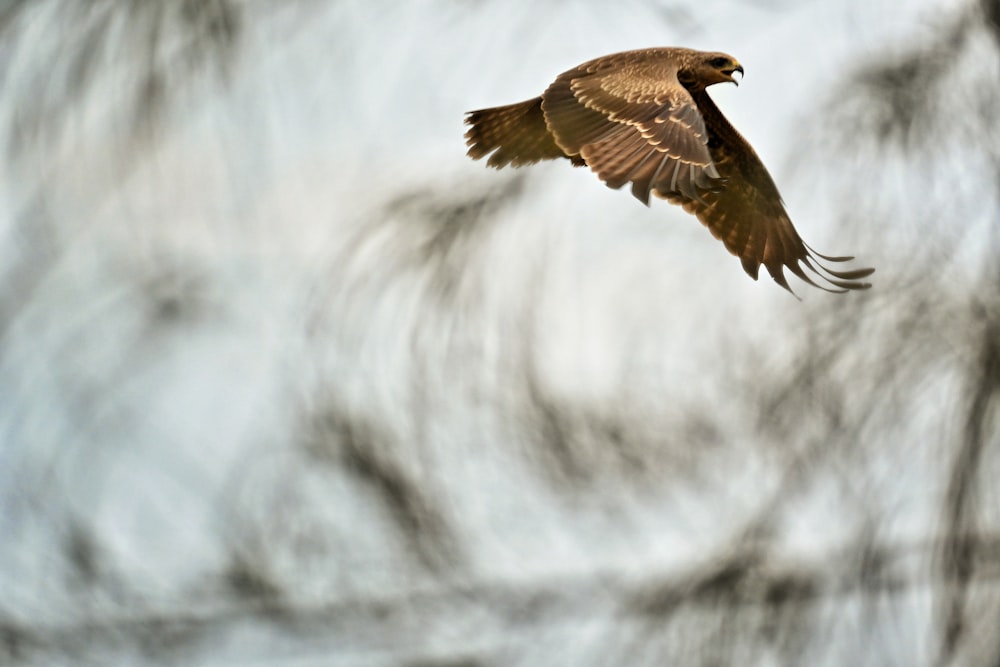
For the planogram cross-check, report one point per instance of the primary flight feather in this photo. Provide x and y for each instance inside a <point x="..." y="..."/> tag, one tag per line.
<point x="644" y="117"/>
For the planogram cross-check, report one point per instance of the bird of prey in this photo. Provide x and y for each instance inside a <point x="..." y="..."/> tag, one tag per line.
<point x="644" y="117"/>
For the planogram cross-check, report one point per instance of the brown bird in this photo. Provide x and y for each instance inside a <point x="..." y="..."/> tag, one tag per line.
<point x="644" y="117"/>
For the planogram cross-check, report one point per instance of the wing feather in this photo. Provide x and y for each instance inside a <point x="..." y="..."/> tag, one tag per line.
<point x="631" y="120"/>
<point x="749" y="217"/>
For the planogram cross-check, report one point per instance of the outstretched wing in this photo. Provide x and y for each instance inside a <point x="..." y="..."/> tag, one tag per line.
<point x="748" y="215"/>
<point x="631" y="120"/>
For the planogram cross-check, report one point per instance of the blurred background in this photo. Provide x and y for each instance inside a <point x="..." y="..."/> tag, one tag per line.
<point x="286" y="379"/>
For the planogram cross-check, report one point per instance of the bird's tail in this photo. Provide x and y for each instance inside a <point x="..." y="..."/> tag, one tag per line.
<point x="516" y="134"/>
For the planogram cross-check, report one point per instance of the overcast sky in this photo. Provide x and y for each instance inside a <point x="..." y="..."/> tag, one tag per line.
<point x="262" y="318"/>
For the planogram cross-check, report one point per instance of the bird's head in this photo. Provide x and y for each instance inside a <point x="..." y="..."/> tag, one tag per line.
<point x="709" y="68"/>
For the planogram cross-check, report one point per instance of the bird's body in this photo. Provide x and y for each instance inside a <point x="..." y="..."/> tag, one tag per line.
<point x="644" y="117"/>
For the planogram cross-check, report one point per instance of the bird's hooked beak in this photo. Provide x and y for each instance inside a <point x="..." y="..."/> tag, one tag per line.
<point x="729" y="73"/>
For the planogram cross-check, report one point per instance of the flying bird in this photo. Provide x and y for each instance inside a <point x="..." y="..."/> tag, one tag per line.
<point x="644" y="117"/>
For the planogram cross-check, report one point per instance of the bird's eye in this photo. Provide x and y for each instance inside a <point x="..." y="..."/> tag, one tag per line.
<point x="719" y="63"/>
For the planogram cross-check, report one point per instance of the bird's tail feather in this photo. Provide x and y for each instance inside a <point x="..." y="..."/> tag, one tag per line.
<point x="515" y="134"/>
